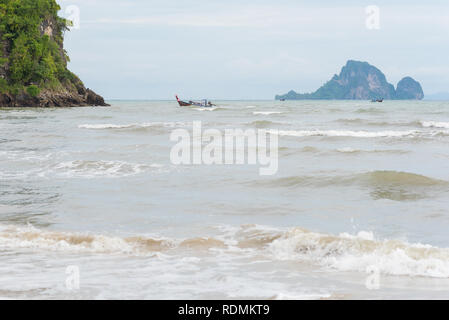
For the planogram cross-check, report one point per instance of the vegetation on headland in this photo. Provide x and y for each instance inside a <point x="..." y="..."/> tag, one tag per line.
<point x="31" y="45"/>
<point x="33" y="62"/>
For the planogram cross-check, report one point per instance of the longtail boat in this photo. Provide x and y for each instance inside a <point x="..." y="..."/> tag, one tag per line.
<point x="204" y="103"/>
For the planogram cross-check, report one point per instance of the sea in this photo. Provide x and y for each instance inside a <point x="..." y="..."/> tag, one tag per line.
<point x="93" y="207"/>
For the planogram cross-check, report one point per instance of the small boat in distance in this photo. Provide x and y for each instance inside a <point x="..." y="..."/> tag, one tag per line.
<point x="204" y="103"/>
<point x="377" y="100"/>
<point x="281" y="99"/>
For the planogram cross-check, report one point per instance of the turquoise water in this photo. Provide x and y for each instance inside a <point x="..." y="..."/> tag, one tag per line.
<point x="360" y="186"/>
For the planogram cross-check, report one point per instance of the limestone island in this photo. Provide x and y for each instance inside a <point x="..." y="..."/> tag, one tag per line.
<point x="361" y="81"/>
<point x="33" y="62"/>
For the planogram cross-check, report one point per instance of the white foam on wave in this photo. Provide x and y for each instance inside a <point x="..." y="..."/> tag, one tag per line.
<point x="347" y="252"/>
<point x="87" y="169"/>
<point x="343" y="252"/>
<point x="111" y="169"/>
<point x="24" y="155"/>
<point x="28" y="237"/>
<point x="105" y="126"/>
<point x="33" y="238"/>
<point x="132" y="125"/>
<point x="434" y="124"/>
<point x="348" y="150"/>
<point x="266" y="113"/>
<point x="206" y="109"/>
<point x="358" y="134"/>
<point x="305" y="296"/>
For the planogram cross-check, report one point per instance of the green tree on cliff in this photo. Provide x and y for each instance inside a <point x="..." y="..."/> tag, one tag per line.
<point x="33" y="34"/>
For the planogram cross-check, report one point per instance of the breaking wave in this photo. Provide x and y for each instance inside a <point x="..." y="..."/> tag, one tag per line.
<point x="347" y="252"/>
<point x="343" y="252"/>
<point x="349" y="150"/>
<point x="87" y="169"/>
<point x="132" y="125"/>
<point x="345" y="150"/>
<point x="378" y="123"/>
<point x="92" y="169"/>
<point x="266" y="113"/>
<point x="209" y="109"/>
<point x="434" y="124"/>
<point x="30" y="237"/>
<point x="360" y="134"/>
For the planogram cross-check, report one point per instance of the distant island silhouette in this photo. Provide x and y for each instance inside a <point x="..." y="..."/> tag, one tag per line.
<point x="361" y="81"/>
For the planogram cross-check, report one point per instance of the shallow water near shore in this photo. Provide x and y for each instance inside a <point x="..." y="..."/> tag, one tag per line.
<point x="360" y="186"/>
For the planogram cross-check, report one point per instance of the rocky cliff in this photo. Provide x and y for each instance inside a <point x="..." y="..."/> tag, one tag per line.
<point x="409" y="89"/>
<point x="361" y="81"/>
<point x="33" y="62"/>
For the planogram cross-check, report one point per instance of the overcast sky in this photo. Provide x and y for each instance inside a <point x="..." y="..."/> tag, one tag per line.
<point x="153" y="49"/>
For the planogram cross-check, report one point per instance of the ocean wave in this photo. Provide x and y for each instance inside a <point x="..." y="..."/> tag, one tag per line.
<point x="267" y="113"/>
<point x="26" y="155"/>
<point x="305" y="296"/>
<point x="263" y="123"/>
<point x="86" y="169"/>
<point x="31" y="237"/>
<point x="310" y="149"/>
<point x="398" y="178"/>
<point x="343" y="252"/>
<point x="359" y="252"/>
<point x="372" y="179"/>
<point x="434" y="124"/>
<point x="349" y="150"/>
<point x="94" y="169"/>
<point x="417" y="123"/>
<point x="289" y="151"/>
<point x="370" y="110"/>
<point x="360" y="134"/>
<point x="352" y="121"/>
<point x="345" y="150"/>
<point x="12" y="236"/>
<point x="208" y="109"/>
<point x="379" y="123"/>
<point x="133" y="125"/>
<point x="8" y="140"/>
<point x="18" y="117"/>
